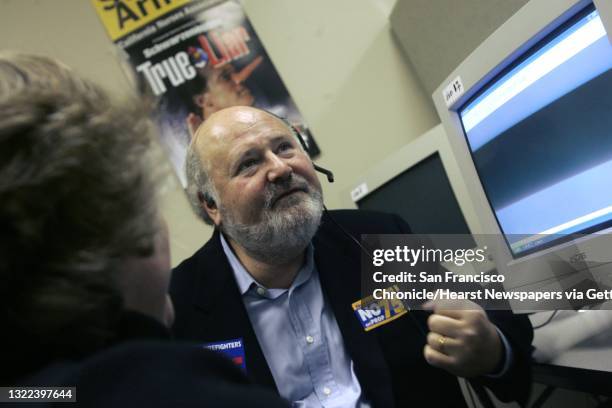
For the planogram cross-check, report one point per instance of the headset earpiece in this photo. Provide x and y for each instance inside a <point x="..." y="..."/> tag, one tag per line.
<point x="328" y="174"/>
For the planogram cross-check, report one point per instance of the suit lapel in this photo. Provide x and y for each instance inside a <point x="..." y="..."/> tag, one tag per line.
<point x="340" y="281"/>
<point x="224" y="316"/>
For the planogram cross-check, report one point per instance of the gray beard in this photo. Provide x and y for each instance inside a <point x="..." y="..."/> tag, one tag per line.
<point x="283" y="233"/>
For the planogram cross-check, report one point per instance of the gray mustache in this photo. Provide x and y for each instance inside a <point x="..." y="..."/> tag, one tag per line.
<point x="275" y="190"/>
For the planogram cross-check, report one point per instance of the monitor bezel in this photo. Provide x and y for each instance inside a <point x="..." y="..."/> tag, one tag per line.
<point x="560" y="239"/>
<point x="530" y="25"/>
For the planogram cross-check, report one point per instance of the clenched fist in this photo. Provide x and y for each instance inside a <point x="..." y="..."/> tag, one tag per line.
<point x="462" y="340"/>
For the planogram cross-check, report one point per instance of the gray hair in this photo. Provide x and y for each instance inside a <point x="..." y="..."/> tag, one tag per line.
<point x="199" y="185"/>
<point x="79" y="180"/>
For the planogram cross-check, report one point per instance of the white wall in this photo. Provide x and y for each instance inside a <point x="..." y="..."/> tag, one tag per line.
<point x="337" y="58"/>
<point x="347" y="76"/>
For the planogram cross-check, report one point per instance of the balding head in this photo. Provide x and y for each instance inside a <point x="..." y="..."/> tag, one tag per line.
<point x="245" y="167"/>
<point x="222" y="128"/>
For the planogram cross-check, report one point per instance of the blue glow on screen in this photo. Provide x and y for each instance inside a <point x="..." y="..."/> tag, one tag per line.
<point x="541" y="136"/>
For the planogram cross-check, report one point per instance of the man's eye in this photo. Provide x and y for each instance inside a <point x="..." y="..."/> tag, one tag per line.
<point x="246" y="165"/>
<point x="284" y="146"/>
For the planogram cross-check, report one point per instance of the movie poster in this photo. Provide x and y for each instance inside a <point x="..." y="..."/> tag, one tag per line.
<point x="196" y="57"/>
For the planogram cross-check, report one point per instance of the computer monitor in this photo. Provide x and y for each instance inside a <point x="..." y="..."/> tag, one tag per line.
<point x="421" y="183"/>
<point x="529" y="119"/>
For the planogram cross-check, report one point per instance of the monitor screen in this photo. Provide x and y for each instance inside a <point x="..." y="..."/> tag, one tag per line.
<point x="422" y="195"/>
<point x="540" y="136"/>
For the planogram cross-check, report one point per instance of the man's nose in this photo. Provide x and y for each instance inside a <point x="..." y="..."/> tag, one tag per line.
<point x="279" y="169"/>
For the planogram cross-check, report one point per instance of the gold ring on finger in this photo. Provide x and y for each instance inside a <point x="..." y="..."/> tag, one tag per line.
<point x="442" y="341"/>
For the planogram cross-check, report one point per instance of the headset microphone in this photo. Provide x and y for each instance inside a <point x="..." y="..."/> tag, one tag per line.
<point x="328" y="173"/>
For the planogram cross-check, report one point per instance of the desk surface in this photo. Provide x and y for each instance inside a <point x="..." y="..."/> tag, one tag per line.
<point x="575" y="339"/>
<point x="574" y="350"/>
<point x="579" y="379"/>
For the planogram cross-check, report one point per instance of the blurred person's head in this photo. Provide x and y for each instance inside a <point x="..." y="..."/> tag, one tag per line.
<point x="249" y="176"/>
<point x="82" y="238"/>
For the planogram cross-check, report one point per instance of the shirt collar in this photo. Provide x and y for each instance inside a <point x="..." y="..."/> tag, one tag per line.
<point x="247" y="283"/>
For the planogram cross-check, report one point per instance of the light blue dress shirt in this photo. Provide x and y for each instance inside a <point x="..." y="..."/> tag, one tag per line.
<point x="301" y="340"/>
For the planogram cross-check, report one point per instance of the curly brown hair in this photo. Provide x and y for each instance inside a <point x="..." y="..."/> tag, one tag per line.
<point x="78" y="183"/>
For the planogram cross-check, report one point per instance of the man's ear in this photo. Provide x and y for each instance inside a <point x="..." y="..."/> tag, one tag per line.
<point x="210" y="206"/>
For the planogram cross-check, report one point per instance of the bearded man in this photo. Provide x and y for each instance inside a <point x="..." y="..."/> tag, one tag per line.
<point x="280" y="274"/>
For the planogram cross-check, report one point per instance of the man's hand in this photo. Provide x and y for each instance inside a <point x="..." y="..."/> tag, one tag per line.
<point x="462" y="340"/>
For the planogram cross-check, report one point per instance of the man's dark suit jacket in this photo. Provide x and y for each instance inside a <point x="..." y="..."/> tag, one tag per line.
<point x="388" y="360"/>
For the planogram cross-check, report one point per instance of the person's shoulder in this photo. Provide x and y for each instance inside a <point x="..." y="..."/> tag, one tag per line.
<point x="366" y="222"/>
<point x="156" y="374"/>
<point x="143" y="357"/>
<point x="170" y="373"/>
<point x="149" y="356"/>
<point x="207" y="256"/>
<point x="185" y="274"/>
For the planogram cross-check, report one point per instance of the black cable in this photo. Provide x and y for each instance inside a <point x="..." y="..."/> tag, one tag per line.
<point x="547" y="321"/>
<point x="469" y="388"/>
<point x="368" y="253"/>
<point x="605" y="404"/>
<point x="481" y="393"/>
<point x="348" y="234"/>
<point x="546" y="393"/>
